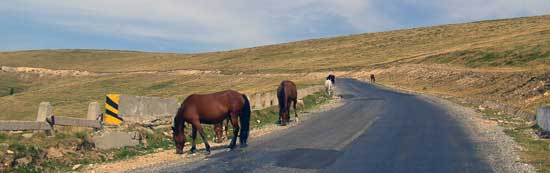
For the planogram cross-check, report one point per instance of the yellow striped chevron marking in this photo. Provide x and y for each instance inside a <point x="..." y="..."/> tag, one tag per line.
<point x="111" y="115"/>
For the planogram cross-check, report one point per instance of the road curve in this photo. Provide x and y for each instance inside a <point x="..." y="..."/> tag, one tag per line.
<point x="375" y="130"/>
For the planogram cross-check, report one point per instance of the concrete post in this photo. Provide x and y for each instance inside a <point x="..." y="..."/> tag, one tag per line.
<point x="258" y="101"/>
<point x="267" y="99"/>
<point x="93" y="111"/>
<point x="543" y="118"/>
<point x="44" y="110"/>
<point x="274" y="100"/>
<point x="250" y="101"/>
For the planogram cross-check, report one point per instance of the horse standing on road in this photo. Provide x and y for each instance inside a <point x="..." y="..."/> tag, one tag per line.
<point x="212" y="109"/>
<point x="372" y="79"/>
<point x="287" y="93"/>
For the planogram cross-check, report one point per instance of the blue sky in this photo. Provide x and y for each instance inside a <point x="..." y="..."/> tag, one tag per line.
<point x="213" y="25"/>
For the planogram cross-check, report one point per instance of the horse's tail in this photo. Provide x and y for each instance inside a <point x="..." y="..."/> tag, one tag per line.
<point x="282" y="99"/>
<point x="245" y="120"/>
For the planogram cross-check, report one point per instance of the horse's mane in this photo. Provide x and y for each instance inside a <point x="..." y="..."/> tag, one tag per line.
<point x="178" y="118"/>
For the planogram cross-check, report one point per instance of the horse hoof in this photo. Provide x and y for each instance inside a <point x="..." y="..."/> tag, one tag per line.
<point x="244" y="145"/>
<point x="179" y="151"/>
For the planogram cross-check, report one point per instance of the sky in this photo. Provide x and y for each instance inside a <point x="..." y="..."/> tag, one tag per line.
<point x="184" y="26"/>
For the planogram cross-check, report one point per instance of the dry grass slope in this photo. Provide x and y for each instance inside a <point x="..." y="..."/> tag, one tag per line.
<point x="507" y="51"/>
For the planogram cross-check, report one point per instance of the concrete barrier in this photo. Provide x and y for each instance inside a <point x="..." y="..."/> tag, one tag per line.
<point x="111" y="140"/>
<point x="543" y="118"/>
<point x="266" y="99"/>
<point x="45" y="120"/>
<point x="93" y="111"/>
<point x="24" y="125"/>
<point x="45" y="110"/>
<point x="70" y="121"/>
<point x="274" y="101"/>
<point x="258" y="101"/>
<point x="138" y="108"/>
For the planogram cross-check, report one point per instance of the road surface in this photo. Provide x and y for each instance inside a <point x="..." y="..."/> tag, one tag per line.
<point x="375" y="130"/>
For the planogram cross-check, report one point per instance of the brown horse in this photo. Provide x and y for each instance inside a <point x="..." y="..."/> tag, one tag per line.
<point x="212" y="109"/>
<point x="287" y="93"/>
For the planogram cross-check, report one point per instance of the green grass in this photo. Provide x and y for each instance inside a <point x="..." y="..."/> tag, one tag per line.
<point x="11" y="81"/>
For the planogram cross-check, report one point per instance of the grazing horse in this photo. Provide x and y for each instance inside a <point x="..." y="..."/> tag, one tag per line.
<point x="372" y="79"/>
<point x="212" y="109"/>
<point x="287" y="93"/>
<point x="328" y="87"/>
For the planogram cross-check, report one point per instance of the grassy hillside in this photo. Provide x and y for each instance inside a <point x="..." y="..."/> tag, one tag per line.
<point x="506" y="49"/>
<point x="495" y="41"/>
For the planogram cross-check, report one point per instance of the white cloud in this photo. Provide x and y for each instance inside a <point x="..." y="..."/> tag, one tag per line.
<point x="468" y="10"/>
<point x="242" y="23"/>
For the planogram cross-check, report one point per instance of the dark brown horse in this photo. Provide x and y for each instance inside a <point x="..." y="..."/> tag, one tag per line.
<point x="212" y="109"/>
<point x="287" y="93"/>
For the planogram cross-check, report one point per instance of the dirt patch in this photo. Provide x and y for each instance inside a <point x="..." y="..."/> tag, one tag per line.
<point x="53" y="72"/>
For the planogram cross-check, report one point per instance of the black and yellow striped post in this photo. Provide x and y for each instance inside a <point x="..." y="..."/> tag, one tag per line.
<point x="111" y="115"/>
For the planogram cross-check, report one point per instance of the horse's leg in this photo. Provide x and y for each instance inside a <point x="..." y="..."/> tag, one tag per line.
<point x="218" y="129"/>
<point x="235" y="123"/>
<point x="281" y="113"/>
<point x="193" y="137"/>
<point x="295" y="111"/>
<point x="203" y="136"/>
<point x="288" y="110"/>
<point x="227" y="127"/>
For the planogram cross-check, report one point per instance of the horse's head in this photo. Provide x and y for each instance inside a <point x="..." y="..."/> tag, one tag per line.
<point x="284" y="118"/>
<point x="178" y="136"/>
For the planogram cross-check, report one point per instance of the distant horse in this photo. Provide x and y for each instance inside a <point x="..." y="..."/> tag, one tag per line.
<point x="287" y="93"/>
<point x="212" y="109"/>
<point x="329" y="87"/>
<point x="372" y="79"/>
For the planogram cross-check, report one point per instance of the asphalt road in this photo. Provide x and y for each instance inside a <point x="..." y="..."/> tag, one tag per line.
<point x="376" y="130"/>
